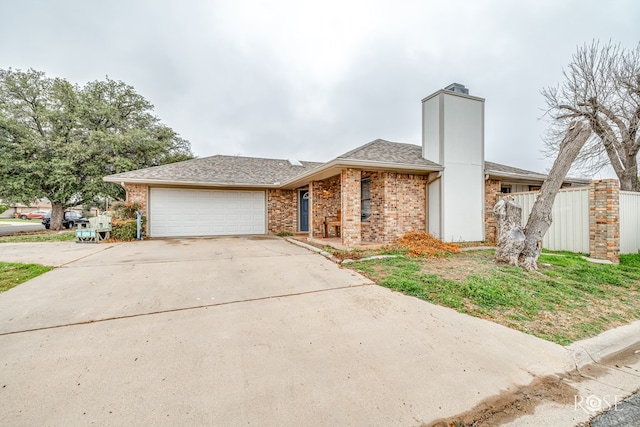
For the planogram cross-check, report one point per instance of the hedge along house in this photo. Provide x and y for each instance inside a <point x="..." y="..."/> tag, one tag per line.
<point x="374" y="193"/>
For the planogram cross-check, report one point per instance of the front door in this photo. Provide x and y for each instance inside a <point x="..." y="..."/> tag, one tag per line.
<point x="304" y="210"/>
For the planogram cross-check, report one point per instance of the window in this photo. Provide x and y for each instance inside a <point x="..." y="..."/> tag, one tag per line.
<point x="505" y="189"/>
<point x="365" y="199"/>
<point x="534" y="188"/>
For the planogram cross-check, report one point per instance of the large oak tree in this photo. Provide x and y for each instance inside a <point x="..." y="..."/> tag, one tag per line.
<point x="58" y="139"/>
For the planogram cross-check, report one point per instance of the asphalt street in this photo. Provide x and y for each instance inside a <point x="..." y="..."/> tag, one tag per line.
<point x="625" y="413"/>
<point x="7" y="228"/>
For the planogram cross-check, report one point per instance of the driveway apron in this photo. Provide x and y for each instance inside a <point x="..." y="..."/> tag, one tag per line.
<point x="240" y="331"/>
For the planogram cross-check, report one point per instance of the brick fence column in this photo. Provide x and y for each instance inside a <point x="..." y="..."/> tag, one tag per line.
<point x="491" y="191"/>
<point x="351" y="230"/>
<point x="604" y="220"/>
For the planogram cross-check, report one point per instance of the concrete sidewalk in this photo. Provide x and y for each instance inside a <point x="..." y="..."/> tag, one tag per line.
<point x="244" y="331"/>
<point x="607" y="372"/>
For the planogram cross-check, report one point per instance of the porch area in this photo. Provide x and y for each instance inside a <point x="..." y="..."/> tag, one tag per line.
<point x="366" y="208"/>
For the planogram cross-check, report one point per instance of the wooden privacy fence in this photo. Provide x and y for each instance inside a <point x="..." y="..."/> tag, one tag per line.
<point x="599" y="220"/>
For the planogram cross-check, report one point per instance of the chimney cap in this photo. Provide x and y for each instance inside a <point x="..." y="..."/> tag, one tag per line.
<point x="457" y="87"/>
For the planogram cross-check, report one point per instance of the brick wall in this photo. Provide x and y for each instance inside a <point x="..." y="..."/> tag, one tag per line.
<point x="324" y="201"/>
<point x="604" y="220"/>
<point x="282" y="211"/>
<point x="491" y="191"/>
<point x="404" y="205"/>
<point x="398" y="205"/>
<point x="350" y="200"/>
<point x="137" y="193"/>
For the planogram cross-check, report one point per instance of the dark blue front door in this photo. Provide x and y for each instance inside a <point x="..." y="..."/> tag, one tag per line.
<point x="304" y="210"/>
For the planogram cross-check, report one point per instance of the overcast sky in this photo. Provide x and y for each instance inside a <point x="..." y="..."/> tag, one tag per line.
<point x="313" y="79"/>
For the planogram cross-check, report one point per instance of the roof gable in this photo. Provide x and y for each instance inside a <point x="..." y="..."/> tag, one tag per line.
<point x="389" y="152"/>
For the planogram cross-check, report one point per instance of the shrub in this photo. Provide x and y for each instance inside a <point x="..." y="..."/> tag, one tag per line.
<point x="124" y="211"/>
<point x="3" y="208"/>
<point x="124" y="230"/>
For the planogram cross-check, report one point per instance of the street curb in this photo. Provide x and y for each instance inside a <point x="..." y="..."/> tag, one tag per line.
<point x="334" y="259"/>
<point x="314" y="249"/>
<point x="371" y="258"/>
<point x="593" y="350"/>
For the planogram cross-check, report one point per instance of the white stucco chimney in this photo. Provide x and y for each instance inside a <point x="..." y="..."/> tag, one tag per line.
<point x="453" y="136"/>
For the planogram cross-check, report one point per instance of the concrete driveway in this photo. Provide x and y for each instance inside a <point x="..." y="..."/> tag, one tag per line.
<point x="239" y="331"/>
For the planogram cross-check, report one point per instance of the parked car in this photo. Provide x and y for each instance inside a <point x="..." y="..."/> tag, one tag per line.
<point x="69" y="220"/>
<point x="33" y="215"/>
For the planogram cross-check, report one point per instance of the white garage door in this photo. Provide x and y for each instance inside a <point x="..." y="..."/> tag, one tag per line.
<point x="188" y="212"/>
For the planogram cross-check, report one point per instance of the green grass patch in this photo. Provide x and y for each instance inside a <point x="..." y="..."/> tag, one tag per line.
<point x="24" y="221"/>
<point x="284" y="234"/>
<point x="12" y="274"/>
<point x="39" y="237"/>
<point x="566" y="300"/>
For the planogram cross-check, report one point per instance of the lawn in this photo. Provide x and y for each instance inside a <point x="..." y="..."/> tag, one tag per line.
<point x="13" y="274"/>
<point x="43" y="236"/>
<point x="567" y="300"/>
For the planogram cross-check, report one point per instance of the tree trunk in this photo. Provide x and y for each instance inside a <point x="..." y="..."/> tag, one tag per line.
<point x="629" y="178"/>
<point x="540" y="216"/>
<point x="57" y="212"/>
<point x="510" y="235"/>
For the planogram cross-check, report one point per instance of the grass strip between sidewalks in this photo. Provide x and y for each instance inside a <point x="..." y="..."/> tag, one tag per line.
<point x="51" y="236"/>
<point x="567" y="300"/>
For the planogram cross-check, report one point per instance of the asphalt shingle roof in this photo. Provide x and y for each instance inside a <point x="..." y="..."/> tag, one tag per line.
<point x="389" y="152"/>
<point x="498" y="168"/>
<point x="237" y="170"/>
<point x="220" y="169"/>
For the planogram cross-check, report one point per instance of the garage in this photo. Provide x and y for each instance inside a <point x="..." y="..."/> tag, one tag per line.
<point x="178" y="212"/>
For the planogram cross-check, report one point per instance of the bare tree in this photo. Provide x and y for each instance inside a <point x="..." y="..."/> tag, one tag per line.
<point x="522" y="247"/>
<point x="601" y="88"/>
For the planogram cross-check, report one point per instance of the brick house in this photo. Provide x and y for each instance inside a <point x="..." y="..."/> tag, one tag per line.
<point x="374" y="193"/>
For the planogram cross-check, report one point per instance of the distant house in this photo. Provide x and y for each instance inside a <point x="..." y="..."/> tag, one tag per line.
<point x="15" y="209"/>
<point x="375" y="192"/>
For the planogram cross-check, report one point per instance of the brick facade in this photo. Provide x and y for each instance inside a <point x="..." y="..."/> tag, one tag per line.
<point x="398" y="205"/>
<point x="137" y="193"/>
<point x="409" y="194"/>
<point x="282" y="211"/>
<point x="604" y="220"/>
<point x="491" y="191"/>
<point x="350" y="202"/>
